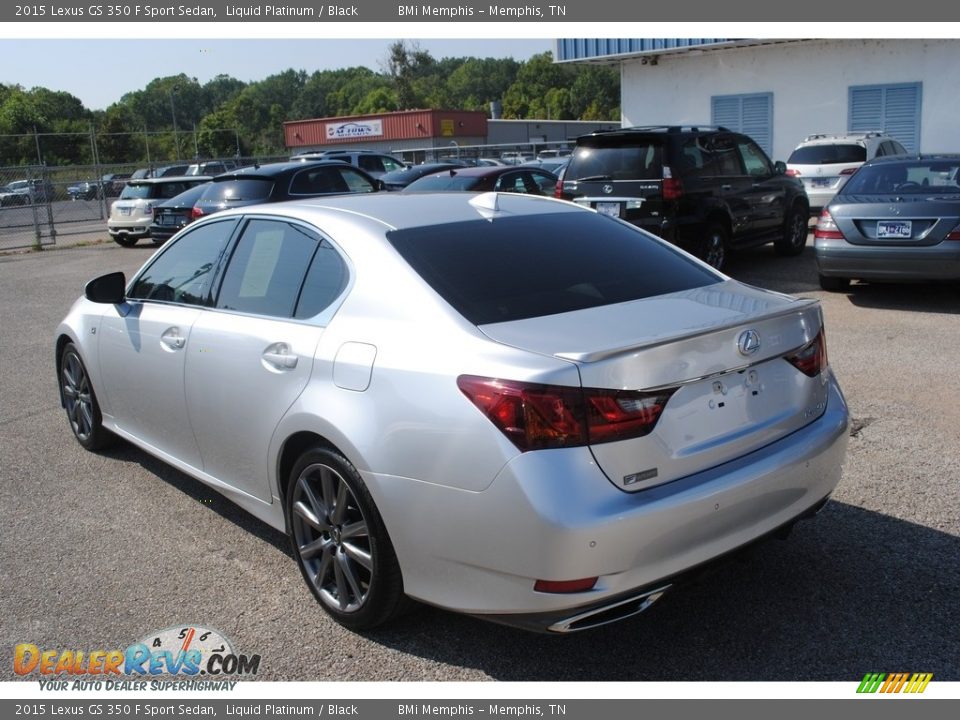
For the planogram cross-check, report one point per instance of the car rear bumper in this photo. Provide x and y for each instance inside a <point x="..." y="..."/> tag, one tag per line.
<point x="553" y="515"/>
<point x="135" y="227"/>
<point x="838" y="258"/>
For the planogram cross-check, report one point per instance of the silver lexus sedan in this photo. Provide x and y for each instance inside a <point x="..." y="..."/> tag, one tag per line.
<point x="503" y="405"/>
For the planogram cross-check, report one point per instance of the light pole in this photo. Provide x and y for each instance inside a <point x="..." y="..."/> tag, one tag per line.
<point x="173" y="116"/>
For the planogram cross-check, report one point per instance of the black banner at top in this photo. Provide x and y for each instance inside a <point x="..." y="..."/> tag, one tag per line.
<point x="473" y="11"/>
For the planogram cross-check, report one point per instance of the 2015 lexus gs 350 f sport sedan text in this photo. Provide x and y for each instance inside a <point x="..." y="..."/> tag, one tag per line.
<point x="506" y="406"/>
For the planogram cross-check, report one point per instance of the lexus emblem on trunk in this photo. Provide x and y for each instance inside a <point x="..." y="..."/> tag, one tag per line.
<point x="748" y="342"/>
<point x="608" y="189"/>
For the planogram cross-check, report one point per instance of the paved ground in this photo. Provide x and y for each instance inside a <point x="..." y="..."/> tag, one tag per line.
<point x="99" y="550"/>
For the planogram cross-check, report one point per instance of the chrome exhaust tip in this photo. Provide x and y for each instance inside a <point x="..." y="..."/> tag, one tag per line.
<point x="606" y="614"/>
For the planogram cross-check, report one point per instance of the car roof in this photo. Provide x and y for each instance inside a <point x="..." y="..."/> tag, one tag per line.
<point x="399" y="211"/>
<point x="481" y="171"/>
<point x="169" y="179"/>
<point x="271" y="171"/>
<point x="905" y="159"/>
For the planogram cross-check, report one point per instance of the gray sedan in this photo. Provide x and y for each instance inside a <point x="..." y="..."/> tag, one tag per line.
<point x="504" y="405"/>
<point x="896" y="219"/>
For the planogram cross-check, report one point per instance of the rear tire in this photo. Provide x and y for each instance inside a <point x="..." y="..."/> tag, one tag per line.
<point x="340" y="542"/>
<point x="795" y="230"/>
<point x="834" y="284"/>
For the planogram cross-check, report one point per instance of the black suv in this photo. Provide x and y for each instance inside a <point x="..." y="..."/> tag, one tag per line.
<point x="706" y="189"/>
<point x="282" y="181"/>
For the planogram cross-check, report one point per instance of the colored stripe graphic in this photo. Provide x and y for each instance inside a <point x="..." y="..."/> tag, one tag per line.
<point x="894" y="682"/>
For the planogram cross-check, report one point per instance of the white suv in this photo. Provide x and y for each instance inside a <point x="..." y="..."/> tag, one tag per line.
<point x="132" y="213"/>
<point x="825" y="162"/>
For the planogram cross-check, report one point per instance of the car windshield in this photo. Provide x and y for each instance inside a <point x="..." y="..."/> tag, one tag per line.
<point x="828" y="155"/>
<point x="631" y="159"/>
<point x="520" y="267"/>
<point x="918" y="177"/>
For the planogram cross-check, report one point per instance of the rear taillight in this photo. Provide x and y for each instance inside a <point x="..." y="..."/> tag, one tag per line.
<point x="558" y="190"/>
<point x="811" y="359"/>
<point x="195" y="213"/>
<point x="535" y="416"/>
<point x="826" y="228"/>
<point x="954" y="234"/>
<point x="565" y="586"/>
<point x="792" y="173"/>
<point x="848" y="171"/>
<point x="672" y="187"/>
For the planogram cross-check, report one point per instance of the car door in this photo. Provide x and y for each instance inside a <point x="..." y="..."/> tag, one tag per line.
<point x="143" y="342"/>
<point x="764" y="191"/>
<point x="730" y="182"/>
<point x="251" y="357"/>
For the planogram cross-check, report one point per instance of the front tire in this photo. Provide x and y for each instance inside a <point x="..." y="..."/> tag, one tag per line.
<point x="795" y="230"/>
<point x="713" y="246"/>
<point x="340" y="542"/>
<point x="80" y="402"/>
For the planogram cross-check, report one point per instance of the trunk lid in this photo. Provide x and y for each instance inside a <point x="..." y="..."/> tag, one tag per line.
<point x="896" y="220"/>
<point x="726" y="402"/>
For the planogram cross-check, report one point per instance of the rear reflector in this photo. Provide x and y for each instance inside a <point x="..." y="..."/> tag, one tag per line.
<point x="811" y="359"/>
<point x="564" y="586"/>
<point x="535" y="416"/>
<point x="954" y="234"/>
<point x="826" y="228"/>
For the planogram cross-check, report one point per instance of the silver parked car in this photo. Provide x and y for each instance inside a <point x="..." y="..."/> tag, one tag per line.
<point x="896" y="219"/>
<point x="503" y="405"/>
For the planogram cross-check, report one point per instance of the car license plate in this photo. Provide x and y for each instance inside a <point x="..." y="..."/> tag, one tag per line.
<point x="894" y="229"/>
<point x="167" y="220"/>
<point x="609" y="208"/>
<point x="822" y="182"/>
<point x="125" y="211"/>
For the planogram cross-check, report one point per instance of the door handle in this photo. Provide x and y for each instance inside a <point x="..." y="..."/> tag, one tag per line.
<point x="173" y="339"/>
<point x="279" y="356"/>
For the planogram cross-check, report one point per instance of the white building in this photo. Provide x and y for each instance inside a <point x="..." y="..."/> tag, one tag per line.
<point x="780" y="91"/>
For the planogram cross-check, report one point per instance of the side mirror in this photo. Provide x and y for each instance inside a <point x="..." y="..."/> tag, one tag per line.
<point x="780" y="167"/>
<point x="110" y="289"/>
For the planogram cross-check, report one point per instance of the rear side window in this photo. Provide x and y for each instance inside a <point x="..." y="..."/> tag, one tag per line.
<point x="446" y="181"/>
<point x="828" y="154"/>
<point x="633" y="159"/>
<point x="267" y="269"/>
<point x="520" y="267"/>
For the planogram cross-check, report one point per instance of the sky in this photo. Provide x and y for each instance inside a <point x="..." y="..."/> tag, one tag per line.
<point x="100" y="72"/>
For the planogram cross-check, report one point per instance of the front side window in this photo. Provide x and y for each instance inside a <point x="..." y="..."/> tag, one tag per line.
<point x="754" y="160"/>
<point x="356" y="183"/>
<point x="389" y="164"/>
<point x="183" y="272"/>
<point x="267" y="269"/>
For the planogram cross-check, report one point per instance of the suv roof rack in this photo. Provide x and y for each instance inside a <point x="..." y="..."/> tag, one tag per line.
<point x="864" y="135"/>
<point x="678" y="128"/>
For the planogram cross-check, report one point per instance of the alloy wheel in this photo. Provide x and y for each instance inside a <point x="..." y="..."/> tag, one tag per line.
<point x="77" y="397"/>
<point x="333" y="538"/>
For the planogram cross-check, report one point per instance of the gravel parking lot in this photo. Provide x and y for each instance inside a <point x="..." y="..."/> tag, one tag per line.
<point x="100" y="550"/>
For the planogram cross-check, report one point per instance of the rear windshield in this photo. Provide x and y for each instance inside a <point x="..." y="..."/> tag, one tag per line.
<point x="828" y="155"/>
<point x="521" y="267"/>
<point x="135" y="192"/>
<point x="239" y="190"/>
<point x="627" y="160"/>
<point x="906" y="178"/>
<point x="433" y="183"/>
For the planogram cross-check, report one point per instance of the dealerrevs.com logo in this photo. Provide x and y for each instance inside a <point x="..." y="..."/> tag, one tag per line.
<point x="184" y="651"/>
<point x="888" y="683"/>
